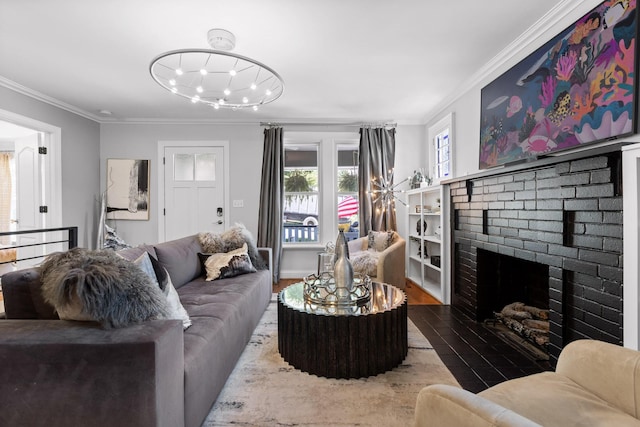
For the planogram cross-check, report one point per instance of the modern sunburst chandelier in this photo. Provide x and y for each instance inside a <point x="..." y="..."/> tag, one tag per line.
<point x="383" y="192"/>
<point x="217" y="77"/>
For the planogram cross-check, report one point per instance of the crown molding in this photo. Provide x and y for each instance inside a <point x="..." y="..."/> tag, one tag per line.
<point x="524" y="42"/>
<point x="172" y="121"/>
<point x="39" y="96"/>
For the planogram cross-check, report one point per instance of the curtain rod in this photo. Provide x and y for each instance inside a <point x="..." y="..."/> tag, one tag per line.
<point x="278" y="124"/>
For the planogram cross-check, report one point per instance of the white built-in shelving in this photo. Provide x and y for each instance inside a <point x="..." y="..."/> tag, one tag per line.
<point x="424" y="207"/>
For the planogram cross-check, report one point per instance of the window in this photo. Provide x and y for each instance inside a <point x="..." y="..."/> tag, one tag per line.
<point x="441" y="149"/>
<point x="321" y="187"/>
<point x="194" y="167"/>
<point x="347" y="191"/>
<point x="442" y="146"/>
<point x="301" y="192"/>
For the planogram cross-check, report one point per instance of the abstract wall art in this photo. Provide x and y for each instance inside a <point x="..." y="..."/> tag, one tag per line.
<point x="579" y="88"/>
<point x="127" y="189"/>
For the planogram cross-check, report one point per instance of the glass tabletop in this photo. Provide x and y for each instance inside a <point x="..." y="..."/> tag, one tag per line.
<point x="383" y="297"/>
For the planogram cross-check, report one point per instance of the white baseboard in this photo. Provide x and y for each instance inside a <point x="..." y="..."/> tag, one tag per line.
<point x="294" y="274"/>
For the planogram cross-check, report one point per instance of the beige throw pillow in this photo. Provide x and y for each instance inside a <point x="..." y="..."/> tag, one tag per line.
<point x="380" y="240"/>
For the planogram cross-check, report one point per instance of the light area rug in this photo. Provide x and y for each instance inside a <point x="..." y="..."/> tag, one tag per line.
<point x="264" y="390"/>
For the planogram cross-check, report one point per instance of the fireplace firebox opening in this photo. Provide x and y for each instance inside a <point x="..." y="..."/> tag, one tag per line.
<point x="513" y="301"/>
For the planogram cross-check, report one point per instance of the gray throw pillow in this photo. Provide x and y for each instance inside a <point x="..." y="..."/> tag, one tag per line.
<point x="180" y="258"/>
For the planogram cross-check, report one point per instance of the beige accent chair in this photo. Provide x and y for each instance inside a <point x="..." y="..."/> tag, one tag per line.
<point x="390" y="266"/>
<point x="595" y="384"/>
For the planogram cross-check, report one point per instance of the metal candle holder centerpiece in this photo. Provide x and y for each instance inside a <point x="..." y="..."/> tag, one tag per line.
<point x="343" y="286"/>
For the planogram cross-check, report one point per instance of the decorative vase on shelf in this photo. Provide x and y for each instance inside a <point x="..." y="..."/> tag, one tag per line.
<point x="342" y="269"/>
<point x="421" y="230"/>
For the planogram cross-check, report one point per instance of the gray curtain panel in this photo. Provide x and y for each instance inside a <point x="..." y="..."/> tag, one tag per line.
<point x="272" y="197"/>
<point x="377" y="158"/>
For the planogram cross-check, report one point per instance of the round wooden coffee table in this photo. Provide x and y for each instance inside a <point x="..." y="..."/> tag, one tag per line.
<point x="343" y="342"/>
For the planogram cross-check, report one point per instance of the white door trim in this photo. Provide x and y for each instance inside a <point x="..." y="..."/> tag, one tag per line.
<point x="161" y="170"/>
<point x="53" y="163"/>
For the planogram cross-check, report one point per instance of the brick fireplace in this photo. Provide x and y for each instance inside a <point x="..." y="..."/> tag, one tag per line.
<point x="565" y="218"/>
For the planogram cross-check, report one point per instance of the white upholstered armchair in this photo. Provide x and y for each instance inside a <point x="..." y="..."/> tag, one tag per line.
<point x="383" y="260"/>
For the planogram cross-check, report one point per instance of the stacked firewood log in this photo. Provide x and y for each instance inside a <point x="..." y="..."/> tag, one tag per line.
<point x="529" y="322"/>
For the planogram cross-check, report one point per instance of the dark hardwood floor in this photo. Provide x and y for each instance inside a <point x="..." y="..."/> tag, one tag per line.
<point x="475" y="356"/>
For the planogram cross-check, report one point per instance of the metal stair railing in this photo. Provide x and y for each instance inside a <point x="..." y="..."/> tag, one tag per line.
<point x="71" y="241"/>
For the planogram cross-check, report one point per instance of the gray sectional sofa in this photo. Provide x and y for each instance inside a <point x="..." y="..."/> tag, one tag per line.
<point x="65" y="373"/>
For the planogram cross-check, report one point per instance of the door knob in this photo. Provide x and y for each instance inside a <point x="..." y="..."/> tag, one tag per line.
<point x="219" y="222"/>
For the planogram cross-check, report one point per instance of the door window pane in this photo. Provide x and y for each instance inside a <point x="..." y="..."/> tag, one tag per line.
<point x="205" y="167"/>
<point x="183" y="167"/>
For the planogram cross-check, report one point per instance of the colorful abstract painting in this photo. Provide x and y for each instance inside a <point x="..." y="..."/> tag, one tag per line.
<point x="579" y="88"/>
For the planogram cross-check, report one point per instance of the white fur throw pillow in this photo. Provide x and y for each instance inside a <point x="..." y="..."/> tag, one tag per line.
<point x="366" y="262"/>
<point x="176" y="309"/>
<point x="150" y="266"/>
<point x="99" y="285"/>
<point x="229" y="264"/>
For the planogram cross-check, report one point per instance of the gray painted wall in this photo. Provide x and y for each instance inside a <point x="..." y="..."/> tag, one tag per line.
<point x="80" y="159"/>
<point x="140" y="141"/>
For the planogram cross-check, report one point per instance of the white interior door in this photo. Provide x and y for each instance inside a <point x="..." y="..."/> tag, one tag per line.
<point x="194" y="191"/>
<point x="28" y="197"/>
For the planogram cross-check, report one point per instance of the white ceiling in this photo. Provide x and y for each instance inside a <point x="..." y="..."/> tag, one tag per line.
<point x="341" y="60"/>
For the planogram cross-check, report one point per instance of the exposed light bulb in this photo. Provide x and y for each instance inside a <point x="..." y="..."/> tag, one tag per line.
<point x="174" y="90"/>
<point x="179" y="71"/>
<point x="195" y="99"/>
<point x="199" y="89"/>
<point x="245" y="100"/>
<point x="255" y="108"/>
<point x="172" y="82"/>
<point x="216" y="106"/>
<point x="268" y="92"/>
<point x="233" y="72"/>
<point x="227" y="92"/>
<point x="204" y="72"/>
<point x="221" y="102"/>
<point x="253" y="86"/>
